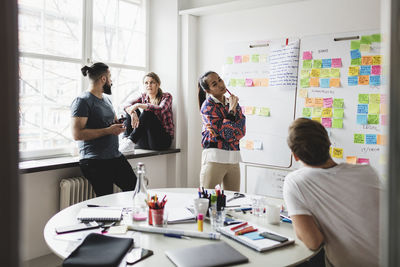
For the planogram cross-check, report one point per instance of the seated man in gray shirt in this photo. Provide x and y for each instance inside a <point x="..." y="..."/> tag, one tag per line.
<point x="335" y="205"/>
<point x="96" y="129"/>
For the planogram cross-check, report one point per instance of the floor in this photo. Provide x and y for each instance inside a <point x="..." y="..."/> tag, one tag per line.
<point x="49" y="260"/>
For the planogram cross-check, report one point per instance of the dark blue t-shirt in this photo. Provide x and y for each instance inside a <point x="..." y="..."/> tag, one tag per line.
<point x="100" y="114"/>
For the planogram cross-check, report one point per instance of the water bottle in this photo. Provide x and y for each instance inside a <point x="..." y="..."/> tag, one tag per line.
<point x="140" y="192"/>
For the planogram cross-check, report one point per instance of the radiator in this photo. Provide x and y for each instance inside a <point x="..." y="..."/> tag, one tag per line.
<point x="76" y="189"/>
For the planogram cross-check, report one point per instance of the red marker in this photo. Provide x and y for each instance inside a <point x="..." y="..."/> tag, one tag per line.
<point x="228" y="91"/>
<point x="238" y="226"/>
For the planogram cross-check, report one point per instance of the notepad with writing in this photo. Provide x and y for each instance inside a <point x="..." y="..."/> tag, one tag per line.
<point x="100" y="214"/>
<point x="253" y="239"/>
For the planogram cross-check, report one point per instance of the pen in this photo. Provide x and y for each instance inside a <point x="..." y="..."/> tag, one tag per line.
<point x="228" y="91"/>
<point x="246" y="230"/>
<point x="177" y="236"/>
<point x="238" y="226"/>
<point x="94" y="206"/>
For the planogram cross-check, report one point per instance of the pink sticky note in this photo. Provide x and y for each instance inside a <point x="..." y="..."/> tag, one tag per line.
<point x="243" y="109"/>
<point x="362" y="161"/>
<point x="238" y="59"/>
<point x="249" y="82"/>
<point x="376" y="70"/>
<point x="383" y="98"/>
<point x="383" y="119"/>
<point x="336" y="63"/>
<point x="328" y="102"/>
<point x="327" y="122"/>
<point x="307" y="55"/>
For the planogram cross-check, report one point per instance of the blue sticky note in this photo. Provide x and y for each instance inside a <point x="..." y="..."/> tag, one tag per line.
<point x="362" y="119"/>
<point x="254" y="236"/>
<point x="370" y="139"/>
<point x="326" y="63"/>
<point x="324" y="83"/>
<point x="365" y="70"/>
<point x="362" y="108"/>
<point x="352" y="80"/>
<point x="375" y="79"/>
<point x="355" y="54"/>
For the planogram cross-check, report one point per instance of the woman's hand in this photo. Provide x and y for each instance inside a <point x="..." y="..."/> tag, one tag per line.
<point x="233" y="102"/>
<point x="134" y="120"/>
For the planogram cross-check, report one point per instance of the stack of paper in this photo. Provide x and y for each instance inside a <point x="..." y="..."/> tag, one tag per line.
<point x="180" y="215"/>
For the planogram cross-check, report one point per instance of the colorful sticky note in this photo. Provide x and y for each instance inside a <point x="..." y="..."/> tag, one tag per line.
<point x="315" y="73"/>
<point x="305" y="83"/>
<point x="375" y="80"/>
<point x="245" y="58"/>
<point x="314" y="82"/>
<point x="307" y="64"/>
<point x="374" y="98"/>
<point x="249" y="144"/>
<point x="363" y="79"/>
<point x="307" y="55"/>
<point x="324" y="83"/>
<point x="306" y="112"/>
<point x="303" y="93"/>
<point x="362" y="161"/>
<point x="317" y="63"/>
<point x="337" y="153"/>
<point x="351" y="159"/>
<point x="327" y="112"/>
<point x="264" y="82"/>
<point x="376" y="38"/>
<point x="355" y="45"/>
<point x="317" y="112"/>
<point x="376" y="70"/>
<point x="334" y="82"/>
<point x="381" y="139"/>
<point x="328" y="102"/>
<point x="263" y="58"/>
<point x="326" y="63"/>
<point x="373" y="109"/>
<point x="264" y="112"/>
<point x="383" y="119"/>
<point x="362" y="109"/>
<point x="254" y="236"/>
<point x="318" y="119"/>
<point x="326" y="122"/>
<point x="383" y="98"/>
<point x="355" y="61"/>
<point x="354" y="70"/>
<point x="255" y="58"/>
<point x="362" y="119"/>
<point x="359" y="139"/>
<point x="363" y="98"/>
<point x="336" y="62"/>
<point x="373" y="119"/>
<point x="367" y="60"/>
<point x="238" y="59"/>
<point x="338" y="102"/>
<point x="366" y="39"/>
<point x="365" y="47"/>
<point x="337" y="123"/>
<point x="338" y="113"/>
<point x="304" y="74"/>
<point x="249" y="110"/>
<point x="229" y="60"/>
<point x="240" y="82"/>
<point x="335" y="73"/>
<point x="257" y="82"/>
<point x="352" y="80"/>
<point x="310" y="102"/>
<point x="249" y="82"/>
<point x="365" y="70"/>
<point x="232" y="82"/>
<point x="319" y="102"/>
<point x="370" y="139"/>
<point x="355" y="54"/>
<point x="325" y="73"/>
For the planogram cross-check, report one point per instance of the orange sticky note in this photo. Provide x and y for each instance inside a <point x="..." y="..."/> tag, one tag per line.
<point x="319" y="102"/>
<point x="334" y="82"/>
<point x="363" y="79"/>
<point x="376" y="60"/>
<point x="249" y="145"/>
<point x="314" y="82"/>
<point x="366" y="60"/>
<point x="351" y="159"/>
<point x="264" y="82"/>
<point x="383" y="109"/>
<point x="245" y="58"/>
<point x="249" y="110"/>
<point x="381" y="139"/>
<point x="257" y="82"/>
<point x="310" y="102"/>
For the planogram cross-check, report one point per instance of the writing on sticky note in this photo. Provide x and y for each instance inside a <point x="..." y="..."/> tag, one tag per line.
<point x="366" y="39"/>
<point x="326" y="63"/>
<point x="374" y="98"/>
<point x="325" y="83"/>
<point x="365" y="47"/>
<point x="367" y="60"/>
<point x="373" y="109"/>
<point x="264" y="82"/>
<point x="328" y="102"/>
<point x="315" y="73"/>
<point x="229" y="60"/>
<point x="249" y="82"/>
<point x="363" y="79"/>
<point x="240" y="82"/>
<point x="318" y="119"/>
<point x="232" y="82"/>
<point x="336" y="62"/>
<point x="306" y="112"/>
<point x="337" y="123"/>
<point x="264" y="112"/>
<point x="334" y="82"/>
<point x="249" y="110"/>
<point x="362" y="108"/>
<point x="303" y="93"/>
<point x="317" y="63"/>
<point x="359" y="139"/>
<point x="363" y="161"/>
<point x="335" y="73"/>
<point x="314" y="82"/>
<point x="263" y="58"/>
<point x="362" y="119"/>
<point x="307" y="64"/>
<point x="338" y="113"/>
<point x="376" y="38"/>
<point x="370" y="139"/>
<point x="305" y="74"/>
<point x="365" y="70"/>
<point x="309" y="102"/>
<point x="326" y="122"/>
<point x="325" y="73"/>
<point x="327" y="112"/>
<point x="305" y="83"/>
<point x="363" y="98"/>
<point x="376" y="60"/>
<point x="376" y="70"/>
<point x="317" y="112"/>
<point x="355" y="61"/>
<point x="257" y="82"/>
<point x="354" y="45"/>
<point x="307" y="55"/>
<point x="354" y="70"/>
<point x="338" y="102"/>
<point x="355" y="54"/>
<point x="352" y="80"/>
<point x="337" y="153"/>
<point x="319" y="102"/>
<point x="255" y="58"/>
<point x="238" y="59"/>
<point x="351" y="159"/>
<point x="373" y="119"/>
<point x="245" y="58"/>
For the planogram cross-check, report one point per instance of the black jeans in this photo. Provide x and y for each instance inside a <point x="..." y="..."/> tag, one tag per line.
<point x="103" y="173"/>
<point x="316" y="261"/>
<point x="150" y="133"/>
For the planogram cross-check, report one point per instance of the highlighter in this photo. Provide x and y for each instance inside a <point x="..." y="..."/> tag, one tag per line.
<point x="200" y="218"/>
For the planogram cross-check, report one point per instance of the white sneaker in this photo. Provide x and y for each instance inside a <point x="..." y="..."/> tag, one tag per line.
<point x="127" y="146"/>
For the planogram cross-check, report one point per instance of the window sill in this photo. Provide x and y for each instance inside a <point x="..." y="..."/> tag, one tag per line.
<point x="69" y="162"/>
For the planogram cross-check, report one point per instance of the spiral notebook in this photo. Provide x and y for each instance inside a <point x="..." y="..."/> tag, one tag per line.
<point x="100" y="214"/>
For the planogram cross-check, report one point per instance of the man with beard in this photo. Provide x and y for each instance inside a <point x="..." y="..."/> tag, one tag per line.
<point x="95" y="127"/>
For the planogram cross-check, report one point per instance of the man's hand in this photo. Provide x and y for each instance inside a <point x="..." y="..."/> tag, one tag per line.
<point x="116" y="129"/>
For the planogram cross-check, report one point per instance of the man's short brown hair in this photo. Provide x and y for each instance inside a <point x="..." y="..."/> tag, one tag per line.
<point x="309" y="140"/>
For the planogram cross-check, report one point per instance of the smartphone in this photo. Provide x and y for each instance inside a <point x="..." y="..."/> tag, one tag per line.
<point x="121" y="120"/>
<point x="274" y="237"/>
<point x="137" y="254"/>
<point x="77" y="227"/>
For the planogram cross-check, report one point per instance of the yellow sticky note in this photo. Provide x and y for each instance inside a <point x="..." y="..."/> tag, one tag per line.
<point x="376" y="60"/>
<point x="305" y="74"/>
<point x="264" y="82"/>
<point x="314" y="82"/>
<point x="354" y="70"/>
<point x="315" y="72"/>
<point x="264" y="112"/>
<point x="326" y="112"/>
<point x="335" y="73"/>
<point x="303" y="93"/>
<point x="366" y="60"/>
<point x="374" y="98"/>
<point x="337" y="153"/>
<point x="330" y="151"/>
<point x="365" y="47"/>
<point x="363" y="79"/>
<point x="310" y="102"/>
<point x="334" y="82"/>
<point x="325" y="73"/>
<point x="351" y="160"/>
<point x="249" y="145"/>
<point x="319" y="102"/>
<point x="317" y="112"/>
<point x="245" y="58"/>
<point x="373" y="109"/>
<point x="316" y="119"/>
<point x="249" y="110"/>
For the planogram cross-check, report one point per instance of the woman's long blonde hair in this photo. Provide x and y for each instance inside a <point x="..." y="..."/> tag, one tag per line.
<point x="159" y="95"/>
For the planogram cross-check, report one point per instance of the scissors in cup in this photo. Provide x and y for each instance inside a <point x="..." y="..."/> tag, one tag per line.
<point x="236" y="195"/>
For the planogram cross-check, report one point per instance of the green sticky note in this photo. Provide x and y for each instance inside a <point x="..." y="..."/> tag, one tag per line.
<point x="317" y="112"/>
<point x="305" y="83"/>
<point x="240" y="82"/>
<point x="305" y="74"/>
<point x="376" y="38"/>
<point x="359" y="138"/>
<point x="373" y="119"/>
<point x="337" y="123"/>
<point x="366" y="39"/>
<point x="264" y="112"/>
<point x="374" y="98"/>
<point x="317" y="63"/>
<point x="338" y="113"/>
<point x="325" y="73"/>
<point x="229" y="60"/>
<point x="232" y="82"/>
<point x="355" y="45"/>
<point x="373" y="109"/>
<point x="355" y="61"/>
<point x="338" y="102"/>
<point x="363" y="98"/>
<point x="335" y="73"/>
<point x="306" y="112"/>
<point x="255" y="58"/>
<point x="307" y="64"/>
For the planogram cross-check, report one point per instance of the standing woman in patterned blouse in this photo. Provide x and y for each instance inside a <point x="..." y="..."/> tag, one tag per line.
<point x="153" y="128"/>
<point x="223" y="126"/>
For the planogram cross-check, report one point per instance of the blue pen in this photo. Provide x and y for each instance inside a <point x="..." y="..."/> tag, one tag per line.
<point x="177" y="236"/>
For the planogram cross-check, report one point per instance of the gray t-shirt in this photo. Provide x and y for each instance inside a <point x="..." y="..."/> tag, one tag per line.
<point x="100" y="114"/>
<point x="344" y="201"/>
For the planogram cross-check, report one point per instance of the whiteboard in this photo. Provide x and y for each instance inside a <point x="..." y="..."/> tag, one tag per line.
<point x="325" y="47"/>
<point x="264" y="77"/>
<point x="265" y="181"/>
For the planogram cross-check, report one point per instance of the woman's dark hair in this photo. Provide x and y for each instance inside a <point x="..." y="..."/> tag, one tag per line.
<point x="95" y="71"/>
<point x="155" y="77"/>
<point x="203" y="87"/>
<point x="309" y="140"/>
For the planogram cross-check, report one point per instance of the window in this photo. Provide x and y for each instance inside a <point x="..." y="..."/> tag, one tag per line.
<point x="58" y="37"/>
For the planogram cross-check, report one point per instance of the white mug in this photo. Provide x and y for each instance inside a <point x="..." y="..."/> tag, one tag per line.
<point x="273" y="213"/>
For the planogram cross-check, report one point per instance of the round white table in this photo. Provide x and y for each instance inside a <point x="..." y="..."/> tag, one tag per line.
<point x="62" y="245"/>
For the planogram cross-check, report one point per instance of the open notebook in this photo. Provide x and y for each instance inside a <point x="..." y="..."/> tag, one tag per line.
<point x="180" y="215"/>
<point x="100" y="214"/>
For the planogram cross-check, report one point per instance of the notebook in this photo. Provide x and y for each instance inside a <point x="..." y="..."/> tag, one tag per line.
<point x="253" y="239"/>
<point x="100" y="214"/>
<point x="214" y="254"/>
<point x="181" y="215"/>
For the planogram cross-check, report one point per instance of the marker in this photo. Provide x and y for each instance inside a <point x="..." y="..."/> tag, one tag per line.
<point x="228" y="91"/>
<point x="177" y="236"/>
<point x="238" y="226"/>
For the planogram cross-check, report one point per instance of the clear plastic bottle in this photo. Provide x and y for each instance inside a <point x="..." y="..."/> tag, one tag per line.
<point x="140" y="192"/>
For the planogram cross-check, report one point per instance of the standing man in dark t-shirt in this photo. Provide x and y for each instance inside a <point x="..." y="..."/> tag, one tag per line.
<point x="95" y="127"/>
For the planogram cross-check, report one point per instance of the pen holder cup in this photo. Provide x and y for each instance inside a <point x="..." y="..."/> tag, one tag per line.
<point x="217" y="218"/>
<point x="273" y="213"/>
<point x="201" y="206"/>
<point x="157" y="216"/>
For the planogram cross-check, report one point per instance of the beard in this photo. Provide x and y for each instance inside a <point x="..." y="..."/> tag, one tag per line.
<point x="107" y="88"/>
